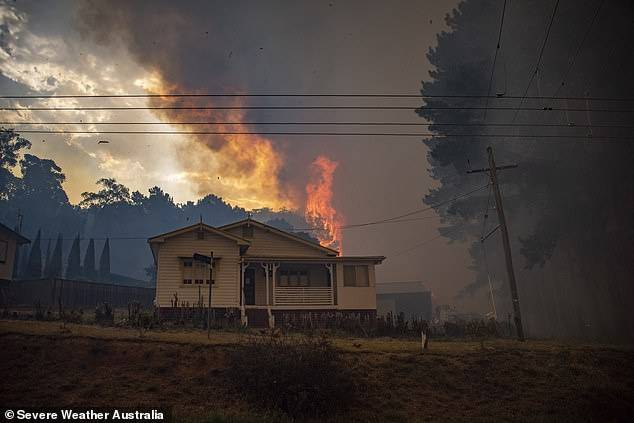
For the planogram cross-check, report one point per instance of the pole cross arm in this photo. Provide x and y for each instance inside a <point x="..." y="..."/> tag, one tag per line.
<point x="488" y="169"/>
<point x="484" y="238"/>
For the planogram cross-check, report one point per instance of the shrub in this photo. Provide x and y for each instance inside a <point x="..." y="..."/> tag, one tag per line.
<point x="104" y="314"/>
<point x="74" y="316"/>
<point x="39" y="311"/>
<point x="300" y="377"/>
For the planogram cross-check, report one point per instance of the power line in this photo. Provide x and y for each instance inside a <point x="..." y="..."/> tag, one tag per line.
<point x="425" y="242"/>
<point x="539" y="59"/>
<point x="533" y="109"/>
<point x="474" y="124"/>
<point x="397" y="218"/>
<point x="418" y="108"/>
<point x="366" y="134"/>
<point x="295" y="95"/>
<point x="579" y="48"/>
<point x="495" y="58"/>
<point x="317" y="229"/>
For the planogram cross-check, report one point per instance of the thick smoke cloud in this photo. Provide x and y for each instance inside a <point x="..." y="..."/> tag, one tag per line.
<point x="312" y="47"/>
<point x="190" y="50"/>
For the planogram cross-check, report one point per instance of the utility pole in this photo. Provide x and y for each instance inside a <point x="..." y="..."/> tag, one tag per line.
<point x="492" y="170"/>
<point x="211" y="274"/>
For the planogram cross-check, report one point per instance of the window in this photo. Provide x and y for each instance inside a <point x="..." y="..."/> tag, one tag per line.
<point x="356" y="275"/>
<point x="303" y="278"/>
<point x="197" y="273"/>
<point x="283" y="278"/>
<point x="200" y="234"/>
<point x="4" y="249"/>
<point x="293" y="278"/>
<point x="247" y="231"/>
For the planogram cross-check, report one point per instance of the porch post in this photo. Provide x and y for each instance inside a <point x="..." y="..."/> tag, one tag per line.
<point x="243" y="315"/>
<point x="332" y="283"/>
<point x="274" y="267"/>
<point x="267" y="267"/>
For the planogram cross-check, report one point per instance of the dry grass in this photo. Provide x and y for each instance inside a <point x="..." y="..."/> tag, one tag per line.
<point x="42" y="364"/>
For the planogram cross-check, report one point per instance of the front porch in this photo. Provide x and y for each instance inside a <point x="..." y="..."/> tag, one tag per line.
<point x="292" y="284"/>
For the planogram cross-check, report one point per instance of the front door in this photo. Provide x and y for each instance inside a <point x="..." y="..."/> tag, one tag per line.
<point x="249" y="287"/>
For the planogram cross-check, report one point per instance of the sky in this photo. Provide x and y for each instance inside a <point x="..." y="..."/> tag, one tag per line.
<point x="112" y="47"/>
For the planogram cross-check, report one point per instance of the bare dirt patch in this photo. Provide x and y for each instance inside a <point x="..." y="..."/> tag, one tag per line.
<point x="42" y="365"/>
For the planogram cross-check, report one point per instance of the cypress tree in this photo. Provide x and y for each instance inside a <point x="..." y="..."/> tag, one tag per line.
<point x="73" y="268"/>
<point x="18" y="256"/>
<point x="89" y="262"/>
<point x="104" y="262"/>
<point x="55" y="266"/>
<point x="47" y="258"/>
<point x="34" y="265"/>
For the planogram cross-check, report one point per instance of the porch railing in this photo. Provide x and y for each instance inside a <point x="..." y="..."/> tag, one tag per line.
<point x="303" y="295"/>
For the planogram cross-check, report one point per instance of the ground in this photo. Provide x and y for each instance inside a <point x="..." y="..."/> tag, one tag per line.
<point x="43" y="364"/>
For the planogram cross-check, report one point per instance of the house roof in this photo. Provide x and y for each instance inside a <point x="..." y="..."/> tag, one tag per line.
<point x="19" y="238"/>
<point x="280" y="232"/>
<point x="163" y="237"/>
<point x="312" y="259"/>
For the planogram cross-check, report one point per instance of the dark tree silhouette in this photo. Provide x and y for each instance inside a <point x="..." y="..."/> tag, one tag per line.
<point x="47" y="258"/>
<point x="55" y="269"/>
<point x="73" y="268"/>
<point x="42" y="180"/>
<point x="89" y="271"/>
<point x="34" y="264"/>
<point x="569" y="204"/>
<point x="104" y="262"/>
<point x="111" y="211"/>
<point x="10" y="145"/>
<point x="111" y="193"/>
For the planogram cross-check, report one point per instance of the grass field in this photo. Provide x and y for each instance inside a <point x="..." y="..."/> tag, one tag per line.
<point x="43" y="364"/>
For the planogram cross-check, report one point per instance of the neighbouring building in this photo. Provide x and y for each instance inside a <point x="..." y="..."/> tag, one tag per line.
<point x="412" y="299"/>
<point x="9" y="241"/>
<point x="261" y="273"/>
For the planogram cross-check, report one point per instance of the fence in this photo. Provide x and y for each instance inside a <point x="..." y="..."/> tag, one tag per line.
<point x="71" y="294"/>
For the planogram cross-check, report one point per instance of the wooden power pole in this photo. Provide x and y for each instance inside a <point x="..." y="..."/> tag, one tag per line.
<point x="492" y="170"/>
<point x="211" y="281"/>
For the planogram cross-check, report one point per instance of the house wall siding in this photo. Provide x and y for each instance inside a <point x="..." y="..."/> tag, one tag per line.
<point x="266" y="243"/>
<point x="356" y="297"/>
<point x="6" y="268"/>
<point x="169" y="271"/>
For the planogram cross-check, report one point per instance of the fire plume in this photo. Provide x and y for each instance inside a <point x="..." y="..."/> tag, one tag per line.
<point x="319" y="210"/>
<point x="242" y="168"/>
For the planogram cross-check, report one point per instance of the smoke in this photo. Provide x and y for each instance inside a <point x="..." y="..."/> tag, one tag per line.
<point x="183" y="52"/>
<point x="243" y="169"/>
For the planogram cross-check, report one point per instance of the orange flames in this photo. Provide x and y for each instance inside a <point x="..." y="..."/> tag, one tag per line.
<point x="243" y="169"/>
<point x="319" y="210"/>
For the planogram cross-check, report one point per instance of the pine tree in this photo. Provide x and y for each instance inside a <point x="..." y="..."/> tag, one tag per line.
<point x="89" y="271"/>
<point x="34" y="265"/>
<point x="55" y="266"/>
<point x="104" y="262"/>
<point x="73" y="268"/>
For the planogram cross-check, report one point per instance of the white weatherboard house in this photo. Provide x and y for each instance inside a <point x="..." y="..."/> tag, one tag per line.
<point x="260" y="273"/>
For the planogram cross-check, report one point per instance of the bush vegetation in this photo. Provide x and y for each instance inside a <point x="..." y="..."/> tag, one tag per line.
<point x="297" y="376"/>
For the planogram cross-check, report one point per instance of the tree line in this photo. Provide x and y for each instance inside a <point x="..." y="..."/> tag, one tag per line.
<point x="37" y="205"/>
